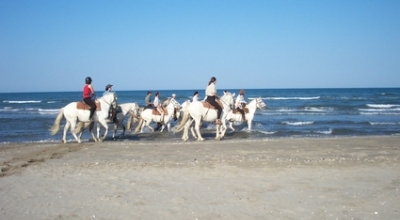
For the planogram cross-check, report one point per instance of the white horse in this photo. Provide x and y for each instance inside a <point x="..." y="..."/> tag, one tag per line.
<point x="149" y="115"/>
<point x="72" y="114"/>
<point x="197" y="112"/>
<point x="121" y="112"/>
<point x="250" y="109"/>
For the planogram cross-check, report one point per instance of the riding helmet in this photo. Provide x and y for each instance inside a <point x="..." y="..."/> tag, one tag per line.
<point x="88" y="80"/>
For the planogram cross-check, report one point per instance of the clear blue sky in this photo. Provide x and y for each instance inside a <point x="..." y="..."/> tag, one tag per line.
<point x="53" y="45"/>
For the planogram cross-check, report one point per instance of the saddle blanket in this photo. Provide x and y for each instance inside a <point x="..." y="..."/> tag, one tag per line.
<point x="84" y="106"/>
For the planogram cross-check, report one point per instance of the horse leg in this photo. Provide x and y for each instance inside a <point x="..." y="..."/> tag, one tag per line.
<point x="217" y="135"/>
<point x="147" y="124"/>
<point x="98" y="132"/>
<point x="115" y="130"/>
<point x="249" y="124"/>
<point x="169" y="127"/>
<point x="231" y="126"/>
<point x="91" y="132"/>
<point x="123" y="130"/>
<point x="192" y="129"/>
<point x="73" y="124"/>
<point x="197" y="128"/>
<point x="64" y="138"/>
<point x="105" y="125"/>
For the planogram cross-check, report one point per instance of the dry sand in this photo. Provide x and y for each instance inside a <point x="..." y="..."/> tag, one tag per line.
<point x="346" y="178"/>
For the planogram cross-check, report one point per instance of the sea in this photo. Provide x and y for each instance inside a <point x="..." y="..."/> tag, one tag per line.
<point x="298" y="113"/>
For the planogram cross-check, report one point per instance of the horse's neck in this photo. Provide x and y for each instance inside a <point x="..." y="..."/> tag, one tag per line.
<point x="170" y="107"/>
<point x="252" y="104"/>
<point x="105" y="103"/>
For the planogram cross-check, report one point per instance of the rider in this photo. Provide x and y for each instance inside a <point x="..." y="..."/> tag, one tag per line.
<point x="157" y="105"/>
<point x="211" y="94"/>
<point x="147" y="100"/>
<point x="150" y="105"/>
<point x="88" y="93"/>
<point x="176" y="105"/>
<point x="240" y="104"/>
<point x="112" y="114"/>
<point x="108" y="89"/>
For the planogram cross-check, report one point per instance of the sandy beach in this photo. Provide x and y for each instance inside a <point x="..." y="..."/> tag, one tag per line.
<point x="325" y="178"/>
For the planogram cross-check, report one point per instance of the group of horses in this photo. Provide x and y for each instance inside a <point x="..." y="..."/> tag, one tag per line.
<point x="191" y="115"/>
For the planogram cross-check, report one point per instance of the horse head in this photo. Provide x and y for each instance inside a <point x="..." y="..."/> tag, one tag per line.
<point x="228" y="100"/>
<point x="260" y="103"/>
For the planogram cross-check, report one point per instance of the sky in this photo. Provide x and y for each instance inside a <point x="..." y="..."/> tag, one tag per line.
<point x="51" y="46"/>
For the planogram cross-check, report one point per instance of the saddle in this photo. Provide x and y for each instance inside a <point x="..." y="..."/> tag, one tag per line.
<point x="208" y="105"/>
<point x="235" y="111"/>
<point x="84" y="106"/>
<point x="155" y="112"/>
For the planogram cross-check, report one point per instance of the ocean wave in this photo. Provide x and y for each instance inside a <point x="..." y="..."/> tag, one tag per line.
<point x="379" y="113"/>
<point x="287" y="98"/>
<point x="266" y="132"/>
<point x="384" y="123"/>
<point x="379" y="109"/>
<point x="292" y="113"/>
<point x="382" y="105"/>
<point x="30" y="110"/>
<point x="325" y="132"/>
<point x="22" y="102"/>
<point x="298" y="123"/>
<point x="49" y="111"/>
<point x="318" y="109"/>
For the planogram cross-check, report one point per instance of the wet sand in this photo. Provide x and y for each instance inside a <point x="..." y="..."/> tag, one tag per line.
<point x="329" y="178"/>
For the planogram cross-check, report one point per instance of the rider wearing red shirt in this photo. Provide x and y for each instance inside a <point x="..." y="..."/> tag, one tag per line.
<point x="88" y="92"/>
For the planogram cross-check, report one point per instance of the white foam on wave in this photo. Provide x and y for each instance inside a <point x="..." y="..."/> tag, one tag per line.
<point x="325" y="132"/>
<point x="298" y="123"/>
<point x="22" y="102"/>
<point x="288" y="98"/>
<point x="379" y="109"/>
<point x="48" y="111"/>
<point x="266" y="132"/>
<point x="382" y="105"/>
<point x="9" y="109"/>
<point x="384" y="123"/>
<point x="318" y="109"/>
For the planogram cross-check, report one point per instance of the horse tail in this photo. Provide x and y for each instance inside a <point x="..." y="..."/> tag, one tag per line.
<point x="183" y="121"/>
<point x="79" y="127"/>
<point x="139" y="125"/>
<point x="56" y="126"/>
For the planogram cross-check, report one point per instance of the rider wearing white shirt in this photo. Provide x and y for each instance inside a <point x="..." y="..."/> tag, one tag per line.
<point x="157" y="105"/>
<point x="240" y="103"/>
<point x="211" y="94"/>
<point x="174" y="102"/>
<point x="176" y="105"/>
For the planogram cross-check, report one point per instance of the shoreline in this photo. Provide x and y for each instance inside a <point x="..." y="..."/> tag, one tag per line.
<point x="285" y="178"/>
